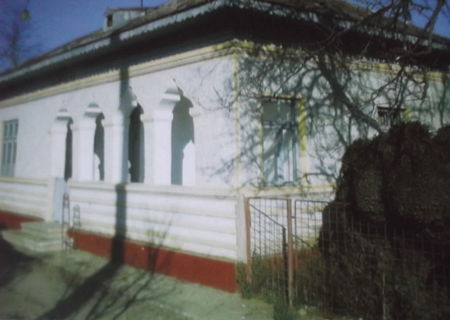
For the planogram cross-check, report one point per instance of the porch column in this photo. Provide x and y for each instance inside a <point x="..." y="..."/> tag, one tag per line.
<point x="58" y="134"/>
<point x="201" y="136"/>
<point x="116" y="148"/>
<point x="158" y="140"/>
<point x="84" y="136"/>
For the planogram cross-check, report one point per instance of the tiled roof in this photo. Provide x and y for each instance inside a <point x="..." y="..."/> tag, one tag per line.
<point x="176" y="11"/>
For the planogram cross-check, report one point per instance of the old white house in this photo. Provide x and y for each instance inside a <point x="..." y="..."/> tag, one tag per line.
<point x="159" y="125"/>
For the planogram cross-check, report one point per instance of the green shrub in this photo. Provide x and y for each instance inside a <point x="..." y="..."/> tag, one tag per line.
<point x="393" y="263"/>
<point x="267" y="279"/>
<point x="282" y="310"/>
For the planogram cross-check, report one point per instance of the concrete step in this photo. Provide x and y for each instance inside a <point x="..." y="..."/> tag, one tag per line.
<point x="19" y="239"/>
<point x="43" y="233"/>
<point x="41" y="227"/>
<point x="36" y="236"/>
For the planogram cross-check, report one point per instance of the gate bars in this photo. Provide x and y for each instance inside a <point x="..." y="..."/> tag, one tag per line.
<point x="278" y="232"/>
<point x="316" y="253"/>
<point x="267" y="245"/>
<point x="69" y="222"/>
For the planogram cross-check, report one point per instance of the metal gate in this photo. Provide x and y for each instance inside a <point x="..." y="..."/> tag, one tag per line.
<point x="281" y="235"/>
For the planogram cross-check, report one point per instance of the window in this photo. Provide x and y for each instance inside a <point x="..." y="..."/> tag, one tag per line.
<point x="280" y="142"/>
<point x="9" y="149"/>
<point x="388" y="116"/>
<point x="109" y="20"/>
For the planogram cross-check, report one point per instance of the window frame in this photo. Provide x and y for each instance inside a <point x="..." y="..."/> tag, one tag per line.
<point x="291" y="153"/>
<point x="9" y="147"/>
<point x="388" y="116"/>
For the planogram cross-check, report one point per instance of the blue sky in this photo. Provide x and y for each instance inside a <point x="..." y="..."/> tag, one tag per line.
<point x="55" y="22"/>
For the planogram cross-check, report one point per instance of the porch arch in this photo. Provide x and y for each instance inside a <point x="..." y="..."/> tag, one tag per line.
<point x="136" y="146"/>
<point x="61" y="152"/>
<point x="182" y="144"/>
<point x="89" y="140"/>
<point x="99" y="148"/>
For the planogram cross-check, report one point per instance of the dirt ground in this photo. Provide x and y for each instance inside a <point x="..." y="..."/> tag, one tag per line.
<point x="77" y="285"/>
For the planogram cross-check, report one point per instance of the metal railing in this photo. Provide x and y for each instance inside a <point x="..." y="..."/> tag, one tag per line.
<point x="69" y="221"/>
<point x="267" y="248"/>
<point x="316" y="253"/>
<point x="66" y="241"/>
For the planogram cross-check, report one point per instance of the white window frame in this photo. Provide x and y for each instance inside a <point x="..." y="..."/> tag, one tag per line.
<point x="388" y="116"/>
<point x="281" y="154"/>
<point x="9" y="147"/>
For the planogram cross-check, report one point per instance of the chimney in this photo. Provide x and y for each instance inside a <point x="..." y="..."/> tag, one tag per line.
<point x="119" y="16"/>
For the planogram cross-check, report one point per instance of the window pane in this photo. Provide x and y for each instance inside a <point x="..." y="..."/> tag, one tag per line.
<point x="4" y="159"/>
<point x="8" y="130"/>
<point x="280" y="142"/>
<point x="283" y="111"/>
<point x="9" y="153"/>
<point x="270" y="154"/>
<point x="9" y="147"/>
<point x="269" y="111"/>
<point x="14" y="153"/>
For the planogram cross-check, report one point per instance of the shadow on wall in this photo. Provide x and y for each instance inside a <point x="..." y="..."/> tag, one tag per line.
<point x="183" y="152"/>
<point x="94" y="286"/>
<point x="12" y="262"/>
<point x="110" y="290"/>
<point x="99" y="294"/>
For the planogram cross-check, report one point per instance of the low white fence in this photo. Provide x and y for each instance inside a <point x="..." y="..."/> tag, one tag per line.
<point x="196" y="220"/>
<point x="25" y="196"/>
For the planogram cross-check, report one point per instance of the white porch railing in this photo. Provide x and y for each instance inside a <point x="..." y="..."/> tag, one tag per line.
<point x="194" y="220"/>
<point x="25" y="196"/>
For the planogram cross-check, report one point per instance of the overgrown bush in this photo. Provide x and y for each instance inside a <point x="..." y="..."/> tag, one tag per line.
<point x="283" y="311"/>
<point x="310" y="279"/>
<point x="387" y="256"/>
<point x="267" y="279"/>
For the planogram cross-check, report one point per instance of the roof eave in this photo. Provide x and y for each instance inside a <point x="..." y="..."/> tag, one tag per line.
<point x="110" y="39"/>
<point x="135" y="29"/>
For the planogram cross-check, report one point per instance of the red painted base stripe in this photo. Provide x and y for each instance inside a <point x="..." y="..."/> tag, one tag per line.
<point x="205" y="271"/>
<point x="11" y="220"/>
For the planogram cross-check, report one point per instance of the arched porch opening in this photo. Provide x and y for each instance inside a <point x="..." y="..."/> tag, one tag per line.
<point x="183" y="144"/>
<point x="68" y="150"/>
<point x="99" y="148"/>
<point x="136" y="146"/>
<point x="61" y="146"/>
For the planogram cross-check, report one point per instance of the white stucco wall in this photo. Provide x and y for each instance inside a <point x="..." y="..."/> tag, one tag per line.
<point x="326" y="127"/>
<point x="221" y="155"/>
<point x="30" y="197"/>
<point x="203" y="84"/>
<point x="203" y="217"/>
<point x="194" y="220"/>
